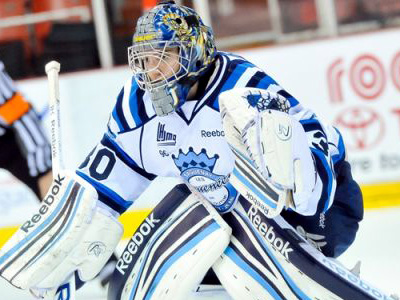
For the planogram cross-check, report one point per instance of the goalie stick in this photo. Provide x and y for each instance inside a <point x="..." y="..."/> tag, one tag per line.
<point x="66" y="290"/>
<point x="52" y="69"/>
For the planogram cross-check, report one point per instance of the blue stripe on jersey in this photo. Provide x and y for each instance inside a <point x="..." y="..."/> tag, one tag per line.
<point x="125" y="158"/>
<point x="133" y="102"/>
<point x="324" y="169"/>
<point x="238" y="71"/>
<point x="109" y="132"/>
<point x="292" y="100"/>
<point x="136" y="104"/>
<point x="106" y="195"/>
<point x="340" y="146"/>
<point x="236" y="68"/>
<point x="141" y="107"/>
<point x="255" y="79"/>
<point x="234" y="72"/>
<point x="210" y="93"/>
<point x="325" y="173"/>
<point x="312" y="125"/>
<point x="265" y="82"/>
<point x="118" y="114"/>
<point x="262" y="81"/>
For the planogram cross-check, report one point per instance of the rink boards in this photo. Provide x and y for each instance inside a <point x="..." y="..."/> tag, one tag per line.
<point x="16" y="199"/>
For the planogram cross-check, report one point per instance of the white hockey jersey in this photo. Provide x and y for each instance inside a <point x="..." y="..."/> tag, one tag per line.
<point x="190" y="143"/>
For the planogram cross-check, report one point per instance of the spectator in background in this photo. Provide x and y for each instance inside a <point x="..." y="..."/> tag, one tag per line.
<point x="25" y="149"/>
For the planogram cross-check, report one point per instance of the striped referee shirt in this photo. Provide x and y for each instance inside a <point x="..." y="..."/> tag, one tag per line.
<point x="17" y="114"/>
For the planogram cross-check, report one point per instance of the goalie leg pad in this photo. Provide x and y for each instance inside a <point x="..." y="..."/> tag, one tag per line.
<point x="92" y="252"/>
<point x="57" y="239"/>
<point x="268" y="259"/>
<point x="249" y="267"/>
<point x="171" y="250"/>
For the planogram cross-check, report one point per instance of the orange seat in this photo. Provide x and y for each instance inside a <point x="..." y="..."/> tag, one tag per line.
<point x="12" y="8"/>
<point x="131" y="11"/>
<point x="43" y="29"/>
<point x="307" y="13"/>
<point x="47" y="5"/>
<point x="346" y="10"/>
<point x="148" y="4"/>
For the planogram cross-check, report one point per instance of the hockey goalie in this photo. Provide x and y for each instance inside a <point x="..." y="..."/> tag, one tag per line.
<point x="262" y="195"/>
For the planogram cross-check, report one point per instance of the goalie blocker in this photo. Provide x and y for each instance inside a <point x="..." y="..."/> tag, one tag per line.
<point x="172" y="249"/>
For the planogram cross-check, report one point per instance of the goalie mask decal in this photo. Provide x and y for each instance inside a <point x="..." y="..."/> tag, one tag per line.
<point x="197" y="170"/>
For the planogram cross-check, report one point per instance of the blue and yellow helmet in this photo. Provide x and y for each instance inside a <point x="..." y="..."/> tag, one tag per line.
<point x="171" y="49"/>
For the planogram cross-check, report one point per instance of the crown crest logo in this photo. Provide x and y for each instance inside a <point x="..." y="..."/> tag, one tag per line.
<point x="190" y="160"/>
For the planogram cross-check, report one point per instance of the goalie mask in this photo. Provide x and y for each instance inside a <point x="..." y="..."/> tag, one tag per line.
<point x="171" y="49"/>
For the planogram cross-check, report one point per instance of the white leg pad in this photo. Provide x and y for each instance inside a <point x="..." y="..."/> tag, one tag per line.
<point x="172" y="249"/>
<point x="70" y="231"/>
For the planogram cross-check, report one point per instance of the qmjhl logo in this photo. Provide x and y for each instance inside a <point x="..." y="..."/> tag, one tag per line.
<point x="165" y="138"/>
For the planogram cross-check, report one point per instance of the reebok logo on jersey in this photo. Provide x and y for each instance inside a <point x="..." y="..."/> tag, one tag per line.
<point x="268" y="232"/>
<point x="47" y="202"/>
<point x="135" y="242"/>
<point x="212" y="133"/>
<point x="165" y="138"/>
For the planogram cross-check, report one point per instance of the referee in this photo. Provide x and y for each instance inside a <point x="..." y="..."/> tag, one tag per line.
<point x="24" y="147"/>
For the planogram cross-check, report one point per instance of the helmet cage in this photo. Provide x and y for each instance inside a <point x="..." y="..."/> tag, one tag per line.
<point x="165" y="67"/>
